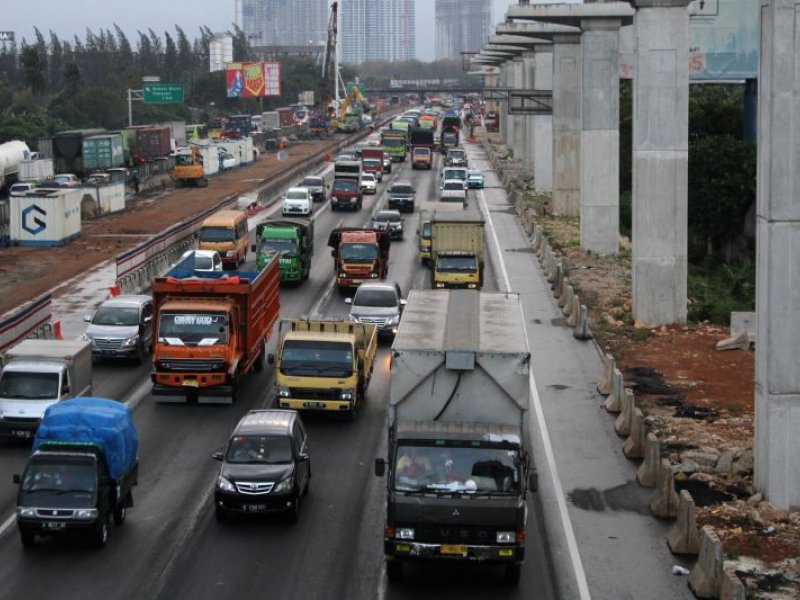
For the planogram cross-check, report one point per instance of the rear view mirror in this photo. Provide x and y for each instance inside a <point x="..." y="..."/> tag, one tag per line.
<point x="87" y="318"/>
<point x="217" y="455"/>
<point x="348" y="300"/>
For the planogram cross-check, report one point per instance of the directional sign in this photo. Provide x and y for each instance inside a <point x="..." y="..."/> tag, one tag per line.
<point x="162" y="93"/>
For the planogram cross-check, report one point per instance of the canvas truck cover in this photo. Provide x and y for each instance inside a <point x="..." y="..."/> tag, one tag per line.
<point x="97" y="421"/>
<point x="460" y="356"/>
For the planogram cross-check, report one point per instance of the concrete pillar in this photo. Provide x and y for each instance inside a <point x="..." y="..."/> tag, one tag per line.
<point x="518" y="121"/>
<point x="567" y="124"/>
<point x="600" y="135"/>
<point x="508" y="130"/>
<point x="529" y="80"/>
<point x="542" y="140"/>
<point x="777" y="418"/>
<point x="660" y="160"/>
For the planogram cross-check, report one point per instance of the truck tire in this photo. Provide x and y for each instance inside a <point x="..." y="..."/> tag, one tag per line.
<point x="101" y="531"/>
<point x="28" y="538"/>
<point x="512" y="574"/>
<point x="394" y="570"/>
<point x="258" y="366"/>
<point x="121" y="511"/>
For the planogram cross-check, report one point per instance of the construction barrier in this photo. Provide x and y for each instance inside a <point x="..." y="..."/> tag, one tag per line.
<point x="648" y="470"/>
<point x="634" y="446"/>
<point x="683" y="538"/>
<point x="613" y="403"/>
<point x="705" y="579"/>
<point x="28" y="320"/>
<point x="664" y="503"/>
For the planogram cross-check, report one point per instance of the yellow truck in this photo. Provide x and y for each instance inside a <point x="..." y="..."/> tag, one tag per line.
<point x="426" y="212"/>
<point x="323" y="365"/>
<point x="457" y="250"/>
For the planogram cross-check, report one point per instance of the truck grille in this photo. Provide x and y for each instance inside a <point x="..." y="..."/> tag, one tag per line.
<point x="455" y="534"/>
<point x="254" y="488"/>
<point x="62" y="513"/>
<point x="200" y="365"/>
<point x="107" y="343"/>
<point x="315" y="394"/>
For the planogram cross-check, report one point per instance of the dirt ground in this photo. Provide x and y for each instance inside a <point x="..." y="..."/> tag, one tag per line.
<point x="700" y="403"/>
<point x="26" y="273"/>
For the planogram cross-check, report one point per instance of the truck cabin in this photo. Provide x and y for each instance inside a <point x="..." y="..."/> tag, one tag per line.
<point x="184" y="325"/>
<point x="60" y="477"/>
<point x="344" y="187"/>
<point x="281" y="241"/>
<point x="305" y="354"/>
<point x="461" y="263"/>
<point x="358" y="252"/>
<point x="33" y="382"/>
<point x="374" y="165"/>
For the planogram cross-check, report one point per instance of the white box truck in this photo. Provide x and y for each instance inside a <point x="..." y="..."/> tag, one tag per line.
<point x="458" y="466"/>
<point x="37" y="374"/>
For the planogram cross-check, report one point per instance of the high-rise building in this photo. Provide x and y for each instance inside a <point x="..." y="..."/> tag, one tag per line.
<point x="283" y="22"/>
<point x="461" y="26"/>
<point x="377" y="30"/>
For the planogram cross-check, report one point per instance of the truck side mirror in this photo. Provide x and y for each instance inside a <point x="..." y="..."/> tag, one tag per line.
<point x="17" y="479"/>
<point x="348" y="300"/>
<point x="533" y="481"/>
<point x="380" y="467"/>
<point x="217" y="455"/>
<point x="271" y="359"/>
<point x="403" y="302"/>
<point x="87" y="318"/>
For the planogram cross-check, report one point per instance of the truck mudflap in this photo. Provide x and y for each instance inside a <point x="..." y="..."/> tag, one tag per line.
<point x="221" y="394"/>
<point x="325" y="405"/>
<point x="408" y="550"/>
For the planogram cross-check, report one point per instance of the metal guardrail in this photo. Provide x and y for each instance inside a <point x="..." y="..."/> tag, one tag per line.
<point x="30" y="318"/>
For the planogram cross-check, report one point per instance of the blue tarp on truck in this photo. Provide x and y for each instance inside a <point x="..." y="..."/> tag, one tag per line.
<point x="99" y="422"/>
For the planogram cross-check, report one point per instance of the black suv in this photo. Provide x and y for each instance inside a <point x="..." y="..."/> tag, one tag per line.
<point x="401" y="196"/>
<point x="266" y="467"/>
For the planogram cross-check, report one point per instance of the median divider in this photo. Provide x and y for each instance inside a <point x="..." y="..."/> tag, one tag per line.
<point x="705" y="579"/>
<point x="683" y="538"/>
<point x="613" y="403"/>
<point x="604" y="383"/>
<point x="622" y="425"/>
<point x="634" y="446"/>
<point x="648" y="470"/>
<point x="664" y="503"/>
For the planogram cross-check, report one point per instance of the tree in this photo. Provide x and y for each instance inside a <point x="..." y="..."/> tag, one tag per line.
<point x="56" y="62"/>
<point x="170" y="57"/>
<point x="34" y="67"/>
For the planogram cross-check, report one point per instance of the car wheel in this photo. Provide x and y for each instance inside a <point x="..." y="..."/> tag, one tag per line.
<point x="28" y="538"/>
<point x="101" y="531"/>
<point x="293" y="514"/>
<point x="394" y="570"/>
<point x="140" y="353"/>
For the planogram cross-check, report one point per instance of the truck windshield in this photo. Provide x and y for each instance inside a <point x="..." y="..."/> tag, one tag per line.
<point x="193" y="329"/>
<point x="313" y="357"/>
<point x="183" y="160"/>
<point x="394" y="142"/>
<point x="282" y="247"/>
<point x="422" y="151"/>
<point x="454" y="469"/>
<point x="358" y="252"/>
<point x="373" y="163"/>
<point x="259" y="449"/>
<point x="426" y="231"/>
<point x="344" y="186"/>
<point x="312" y="182"/>
<point x="116" y="315"/>
<point x="29" y="386"/>
<point x="217" y="234"/>
<point x="456" y="264"/>
<point x="60" y="478"/>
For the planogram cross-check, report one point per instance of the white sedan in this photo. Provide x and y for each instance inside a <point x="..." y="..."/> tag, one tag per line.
<point x="369" y="185"/>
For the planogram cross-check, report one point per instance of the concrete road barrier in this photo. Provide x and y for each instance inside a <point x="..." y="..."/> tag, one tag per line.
<point x="565" y="301"/>
<point x="613" y="403"/>
<point x="604" y="383"/>
<point x="648" y="471"/>
<point x="623" y="423"/>
<point x="558" y="281"/>
<point x="664" y="503"/>
<point x="634" y="446"/>
<point x="732" y="587"/>
<point x="705" y="579"/>
<point x="582" y="331"/>
<point x="562" y="298"/>
<point x="683" y="538"/>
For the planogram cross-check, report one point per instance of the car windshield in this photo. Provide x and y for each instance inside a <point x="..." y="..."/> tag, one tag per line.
<point x="60" y="478"/>
<point x="358" y="252"/>
<point x="297" y="195"/>
<point x="368" y="177"/>
<point x="312" y="182"/>
<point x="29" y="386"/>
<point x="458" y="264"/>
<point x="217" y="234"/>
<point x="344" y="186"/>
<point x="457" y="155"/>
<point x="203" y="262"/>
<point x="259" y="449"/>
<point x="120" y="316"/>
<point x="193" y="329"/>
<point x="375" y="297"/>
<point x="312" y="357"/>
<point x="382" y="217"/>
<point x="402" y="190"/>
<point x="453" y="469"/>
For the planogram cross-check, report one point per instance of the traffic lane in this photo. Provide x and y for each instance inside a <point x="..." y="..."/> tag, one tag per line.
<point x="316" y="557"/>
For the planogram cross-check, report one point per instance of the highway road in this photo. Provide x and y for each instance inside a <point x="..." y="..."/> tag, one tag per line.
<point x="172" y="547"/>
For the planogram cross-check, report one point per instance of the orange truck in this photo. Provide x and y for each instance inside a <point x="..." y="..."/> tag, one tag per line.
<point x="359" y="255"/>
<point x="211" y="329"/>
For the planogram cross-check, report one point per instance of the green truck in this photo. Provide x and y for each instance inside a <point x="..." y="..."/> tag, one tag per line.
<point x="292" y="240"/>
<point x="394" y="143"/>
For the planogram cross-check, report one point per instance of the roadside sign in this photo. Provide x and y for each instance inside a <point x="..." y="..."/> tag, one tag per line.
<point x="162" y="93"/>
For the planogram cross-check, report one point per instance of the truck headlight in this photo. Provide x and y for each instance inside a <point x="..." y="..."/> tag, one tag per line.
<point x="505" y="537"/>
<point x="283" y="392"/>
<point x="439" y="284"/>
<point x="86" y="514"/>
<point x="405" y="533"/>
<point x="225" y="485"/>
<point x="471" y="286"/>
<point x="374" y="275"/>
<point x="26" y="513"/>
<point x="130" y="341"/>
<point x="346" y="394"/>
<point x="230" y="253"/>
<point x="284" y="487"/>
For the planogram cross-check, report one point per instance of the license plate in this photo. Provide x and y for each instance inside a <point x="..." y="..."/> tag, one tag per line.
<point x="22" y="434"/>
<point x="451" y="549"/>
<point x="255" y="507"/>
<point x="313" y="404"/>
<point x="54" y="525"/>
<point x="190" y="383"/>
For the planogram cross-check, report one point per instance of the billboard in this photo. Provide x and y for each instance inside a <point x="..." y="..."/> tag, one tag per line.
<point x="253" y="79"/>
<point x="723" y="41"/>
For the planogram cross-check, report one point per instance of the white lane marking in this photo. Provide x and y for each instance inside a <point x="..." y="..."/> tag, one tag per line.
<point x="314" y="312"/>
<point x="8" y="523"/>
<point x="566" y="523"/>
<point x="139" y="393"/>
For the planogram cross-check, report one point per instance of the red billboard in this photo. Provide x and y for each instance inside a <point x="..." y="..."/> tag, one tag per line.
<point x="253" y="79"/>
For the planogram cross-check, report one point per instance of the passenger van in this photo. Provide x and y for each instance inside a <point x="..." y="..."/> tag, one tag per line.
<point x="226" y="232"/>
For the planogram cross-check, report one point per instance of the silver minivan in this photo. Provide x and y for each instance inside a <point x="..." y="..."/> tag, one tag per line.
<point x="378" y="303"/>
<point x="122" y="327"/>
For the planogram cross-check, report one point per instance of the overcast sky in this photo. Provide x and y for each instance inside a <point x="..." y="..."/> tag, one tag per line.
<point x="68" y="18"/>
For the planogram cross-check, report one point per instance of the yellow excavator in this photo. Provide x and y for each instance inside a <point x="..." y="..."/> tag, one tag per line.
<point x="351" y="109"/>
<point x="189" y="169"/>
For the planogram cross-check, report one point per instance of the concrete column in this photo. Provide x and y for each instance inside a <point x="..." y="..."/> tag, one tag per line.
<point x="777" y="468"/>
<point x="518" y="121"/>
<point x="567" y="124"/>
<point x="542" y="140"/>
<point x="508" y="130"/>
<point x="660" y="160"/>
<point x="600" y="135"/>
<point x="529" y="80"/>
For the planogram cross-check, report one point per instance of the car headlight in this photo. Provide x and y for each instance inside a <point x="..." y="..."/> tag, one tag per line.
<point x="284" y="486"/>
<point x="405" y="533"/>
<point x="86" y="514"/>
<point x="346" y="394"/>
<point x="505" y="537"/>
<point x="374" y="275"/>
<point x="26" y="513"/>
<point x="130" y="341"/>
<point x="395" y="320"/>
<point x="86" y="337"/>
<point x="224" y="485"/>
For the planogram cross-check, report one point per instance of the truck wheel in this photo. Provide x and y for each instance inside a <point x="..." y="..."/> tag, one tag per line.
<point x="121" y="512"/>
<point x="513" y="573"/>
<point x="140" y="353"/>
<point x="394" y="570"/>
<point x="28" y="538"/>
<point x="258" y="366"/>
<point x="102" y="531"/>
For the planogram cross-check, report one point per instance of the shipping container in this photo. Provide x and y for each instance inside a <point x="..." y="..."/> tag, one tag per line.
<point x="103" y="199"/>
<point x="36" y="170"/>
<point x="68" y="150"/>
<point x="45" y="147"/>
<point x="286" y="116"/>
<point x="46" y="217"/>
<point x="153" y="142"/>
<point x="270" y="120"/>
<point x="103" y="151"/>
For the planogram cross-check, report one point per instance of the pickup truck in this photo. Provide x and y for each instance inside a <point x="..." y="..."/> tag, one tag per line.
<point x="323" y="365"/>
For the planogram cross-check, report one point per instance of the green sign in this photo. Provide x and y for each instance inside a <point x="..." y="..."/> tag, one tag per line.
<point x="162" y="93"/>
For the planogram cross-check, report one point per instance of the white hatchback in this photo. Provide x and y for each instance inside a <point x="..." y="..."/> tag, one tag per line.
<point x="368" y="183"/>
<point x="297" y="201"/>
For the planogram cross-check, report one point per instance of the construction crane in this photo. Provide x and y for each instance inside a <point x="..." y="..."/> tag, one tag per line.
<point x="329" y="98"/>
